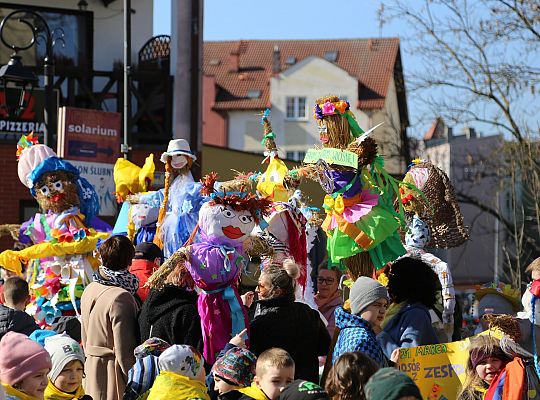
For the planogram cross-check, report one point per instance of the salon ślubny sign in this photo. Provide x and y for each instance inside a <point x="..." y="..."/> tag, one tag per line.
<point x="32" y="119"/>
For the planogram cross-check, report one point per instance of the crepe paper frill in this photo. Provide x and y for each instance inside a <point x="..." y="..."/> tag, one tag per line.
<point x="359" y="220"/>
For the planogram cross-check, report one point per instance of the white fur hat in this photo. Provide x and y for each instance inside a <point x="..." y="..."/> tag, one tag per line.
<point x="178" y="147"/>
<point x="30" y="158"/>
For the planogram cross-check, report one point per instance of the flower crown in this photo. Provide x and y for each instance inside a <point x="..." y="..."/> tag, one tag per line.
<point x="329" y="108"/>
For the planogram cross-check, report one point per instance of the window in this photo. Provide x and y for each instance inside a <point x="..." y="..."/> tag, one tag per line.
<point x="295" y="155"/>
<point x="254" y="94"/>
<point x="291" y="60"/>
<point x="77" y="27"/>
<point x="331" y="56"/>
<point x="296" y="108"/>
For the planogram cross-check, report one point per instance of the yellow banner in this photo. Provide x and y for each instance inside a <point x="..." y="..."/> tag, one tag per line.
<point x="438" y="369"/>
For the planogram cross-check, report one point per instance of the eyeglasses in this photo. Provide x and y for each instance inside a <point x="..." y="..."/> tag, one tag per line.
<point x="326" y="281"/>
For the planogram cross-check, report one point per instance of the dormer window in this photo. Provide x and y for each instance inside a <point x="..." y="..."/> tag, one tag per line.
<point x="254" y="94"/>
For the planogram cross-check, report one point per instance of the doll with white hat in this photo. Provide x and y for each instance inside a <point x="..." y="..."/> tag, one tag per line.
<point x="179" y="201"/>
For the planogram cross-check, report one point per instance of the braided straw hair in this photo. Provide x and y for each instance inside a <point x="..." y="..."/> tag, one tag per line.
<point x="169" y="172"/>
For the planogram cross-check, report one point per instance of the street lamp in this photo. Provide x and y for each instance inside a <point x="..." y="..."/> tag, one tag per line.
<point x="15" y="74"/>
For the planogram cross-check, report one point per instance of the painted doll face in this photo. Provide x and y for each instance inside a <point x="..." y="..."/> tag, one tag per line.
<point x="223" y="221"/>
<point x="178" y="161"/>
<point x="57" y="191"/>
<point x="143" y="214"/>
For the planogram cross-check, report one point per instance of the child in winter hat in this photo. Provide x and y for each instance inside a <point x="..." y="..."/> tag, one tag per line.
<point x="146" y="368"/>
<point x="24" y="366"/>
<point x="358" y="329"/>
<point x="66" y="375"/>
<point x="234" y="370"/>
<point x="181" y="375"/>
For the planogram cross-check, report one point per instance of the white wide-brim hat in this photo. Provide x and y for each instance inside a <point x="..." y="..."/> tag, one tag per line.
<point x="178" y="147"/>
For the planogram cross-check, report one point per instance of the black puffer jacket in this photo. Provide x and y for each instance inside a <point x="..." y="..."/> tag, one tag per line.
<point x="15" y="321"/>
<point x="171" y="314"/>
<point x="294" y="327"/>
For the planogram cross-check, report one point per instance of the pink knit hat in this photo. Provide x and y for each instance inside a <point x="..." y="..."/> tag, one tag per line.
<point x="20" y="357"/>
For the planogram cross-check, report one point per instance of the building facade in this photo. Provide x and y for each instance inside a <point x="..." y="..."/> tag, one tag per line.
<point x="242" y="78"/>
<point x="473" y="165"/>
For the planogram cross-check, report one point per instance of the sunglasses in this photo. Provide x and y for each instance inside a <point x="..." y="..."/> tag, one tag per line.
<point x="327" y="281"/>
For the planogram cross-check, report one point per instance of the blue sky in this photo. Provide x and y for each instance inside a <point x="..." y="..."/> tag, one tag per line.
<point x="289" y="19"/>
<point x="282" y="19"/>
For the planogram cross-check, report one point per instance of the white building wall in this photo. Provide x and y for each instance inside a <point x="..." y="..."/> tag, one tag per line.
<point x="311" y="78"/>
<point x="471" y="166"/>
<point x="108" y="27"/>
<point x="245" y="131"/>
<point x="388" y="136"/>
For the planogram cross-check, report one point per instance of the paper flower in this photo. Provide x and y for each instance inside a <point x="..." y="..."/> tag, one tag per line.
<point x="317" y="112"/>
<point x="341" y="106"/>
<point x="328" y="108"/>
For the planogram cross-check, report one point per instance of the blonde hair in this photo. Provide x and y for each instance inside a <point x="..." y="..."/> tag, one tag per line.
<point x="533" y="267"/>
<point x="283" y="277"/>
<point x="274" y="357"/>
<point x="487" y="344"/>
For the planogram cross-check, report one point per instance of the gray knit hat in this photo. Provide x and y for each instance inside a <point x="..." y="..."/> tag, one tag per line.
<point x="364" y="292"/>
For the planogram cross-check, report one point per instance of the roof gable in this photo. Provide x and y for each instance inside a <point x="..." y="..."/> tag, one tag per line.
<point x="371" y="61"/>
<point x="312" y="59"/>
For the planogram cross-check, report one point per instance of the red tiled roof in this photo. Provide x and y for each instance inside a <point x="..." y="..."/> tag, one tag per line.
<point x="431" y="133"/>
<point x="372" y="61"/>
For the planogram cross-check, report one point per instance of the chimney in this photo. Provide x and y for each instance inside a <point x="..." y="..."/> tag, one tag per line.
<point x="276" y="61"/>
<point x="234" y="61"/>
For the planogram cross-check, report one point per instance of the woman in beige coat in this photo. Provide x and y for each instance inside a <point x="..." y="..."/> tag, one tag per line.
<point x="109" y="321"/>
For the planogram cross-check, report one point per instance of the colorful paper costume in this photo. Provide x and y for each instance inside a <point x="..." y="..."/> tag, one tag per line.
<point x="286" y="225"/>
<point x="180" y="200"/>
<point x="433" y="220"/>
<point x="137" y="219"/>
<point x="60" y="261"/>
<point x="216" y="260"/>
<point x="271" y="183"/>
<point x="360" y="222"/>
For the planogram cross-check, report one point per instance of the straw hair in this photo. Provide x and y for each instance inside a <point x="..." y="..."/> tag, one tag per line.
<point x="158" y="279"/>
<point x="534" y="266"/>
<point x="163" y="208"/>
<point x="360" y="265"/>
<point x="366" y="151"/>
<point x="338" y="128"/>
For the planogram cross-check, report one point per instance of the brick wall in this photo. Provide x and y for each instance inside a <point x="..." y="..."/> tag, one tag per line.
<point x="12" y="191"/>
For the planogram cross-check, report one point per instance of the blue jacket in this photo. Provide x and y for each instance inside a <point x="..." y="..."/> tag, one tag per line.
<point x="356" y="335"/>
<point x="410" y="327"/>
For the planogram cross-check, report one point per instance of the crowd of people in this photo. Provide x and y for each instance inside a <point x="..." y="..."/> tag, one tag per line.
<point x="139" y="344"/>
<point x="156" y="308"/>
